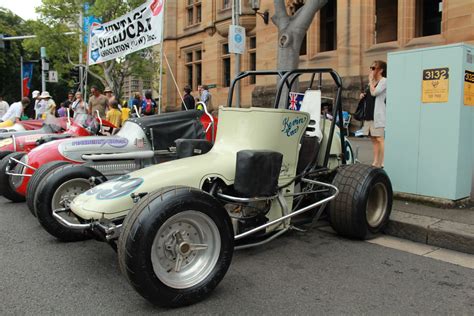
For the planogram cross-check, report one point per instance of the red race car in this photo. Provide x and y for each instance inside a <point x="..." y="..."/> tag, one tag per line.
<point x="141" y="142"/>
<point x="53" y="128"/>
<point x="15" y="147"/>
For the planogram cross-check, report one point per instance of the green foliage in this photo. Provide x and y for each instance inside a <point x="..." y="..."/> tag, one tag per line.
<point x="11" y="25"/>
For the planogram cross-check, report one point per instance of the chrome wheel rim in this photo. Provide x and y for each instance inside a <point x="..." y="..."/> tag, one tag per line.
<point x="66" y="192"/>
<point x="185" y="249"/>
<point x="377" y="205"/>
<point x="16" y="181"/>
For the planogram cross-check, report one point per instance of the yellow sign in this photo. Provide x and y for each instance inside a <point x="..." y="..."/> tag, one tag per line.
<point x="435" y="87"/>
<point x="469" y="88"/>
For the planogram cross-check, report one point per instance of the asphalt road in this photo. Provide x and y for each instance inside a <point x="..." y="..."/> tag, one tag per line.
<point x="301" y="273"/>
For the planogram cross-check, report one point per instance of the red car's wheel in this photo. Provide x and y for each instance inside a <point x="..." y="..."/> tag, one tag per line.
<point x="6" y="187"/>
<point x="35" y="180"/>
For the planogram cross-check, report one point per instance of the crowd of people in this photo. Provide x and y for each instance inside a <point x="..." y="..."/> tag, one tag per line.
<point x="105" y="105"/>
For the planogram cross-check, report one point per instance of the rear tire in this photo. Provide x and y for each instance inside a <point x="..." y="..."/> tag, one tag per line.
<point x="4" y="153"/>
<point x="57" y="190"/>
<point x="179" y="229"/>
<point x="5" y="186"/>
<point x="362" y="208"/>
<point x="35" y="180"/>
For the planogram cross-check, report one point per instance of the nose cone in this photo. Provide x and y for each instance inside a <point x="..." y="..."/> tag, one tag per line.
<point x="108" y="200"/>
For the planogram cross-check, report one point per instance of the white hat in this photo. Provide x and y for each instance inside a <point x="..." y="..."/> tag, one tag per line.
<point x="35" y="94"/>
<point x="44" y="95"/>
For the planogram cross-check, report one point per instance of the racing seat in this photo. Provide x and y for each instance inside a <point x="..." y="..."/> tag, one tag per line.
<point x="192" y="147"/>
<point x="310" y="142"/>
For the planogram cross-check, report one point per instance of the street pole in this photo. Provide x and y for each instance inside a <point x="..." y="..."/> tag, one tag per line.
<point x="43" y="65"/>
<point x="81" y="76"/>
<point x="21" y="75"/>
<point x="236" y="11"/>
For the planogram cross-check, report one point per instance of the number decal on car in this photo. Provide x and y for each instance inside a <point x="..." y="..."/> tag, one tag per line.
<point x="119" y="187"/>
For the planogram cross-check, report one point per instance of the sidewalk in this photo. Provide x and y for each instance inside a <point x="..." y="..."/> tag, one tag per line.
<point x="451" y="228"/>
<point x="446" y="228"/>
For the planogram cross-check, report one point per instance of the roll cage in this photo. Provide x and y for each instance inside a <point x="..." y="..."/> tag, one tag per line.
<point x="287" y="79"/>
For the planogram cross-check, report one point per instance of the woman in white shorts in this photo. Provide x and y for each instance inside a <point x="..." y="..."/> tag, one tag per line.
<point x="375" y="113"/>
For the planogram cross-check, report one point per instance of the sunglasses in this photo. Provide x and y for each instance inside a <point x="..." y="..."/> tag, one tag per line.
<point x="372" y="68"/>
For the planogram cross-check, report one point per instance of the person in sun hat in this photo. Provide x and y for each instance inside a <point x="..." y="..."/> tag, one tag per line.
<point x="109" y="94"/>
<point x="47" y="105"/>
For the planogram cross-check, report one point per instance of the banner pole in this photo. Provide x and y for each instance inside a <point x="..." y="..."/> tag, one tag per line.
<point x="21" y="76"/>
<point x="174" y="80"/>
<point x="160" y="92"/>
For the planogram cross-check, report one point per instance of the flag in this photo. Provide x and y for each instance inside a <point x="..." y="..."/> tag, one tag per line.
<point x="26" y="76"/>
<point x="295" y="100"/>
<point x="138" y="29"/>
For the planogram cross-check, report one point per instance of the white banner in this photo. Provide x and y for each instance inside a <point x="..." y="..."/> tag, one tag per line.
<point x="131" y="32"/>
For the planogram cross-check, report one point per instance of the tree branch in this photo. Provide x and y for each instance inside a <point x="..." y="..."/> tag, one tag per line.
<point x="304" y="16"/>
<point x="281" y="18"/>
<point x="102" y="79"/>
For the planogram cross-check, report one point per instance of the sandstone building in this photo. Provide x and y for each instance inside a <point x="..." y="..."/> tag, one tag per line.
<point x="346" y="35"/>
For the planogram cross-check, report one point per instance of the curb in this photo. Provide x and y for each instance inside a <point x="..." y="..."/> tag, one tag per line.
<point x="433" y="201"/>
<point x="431" y="231"/>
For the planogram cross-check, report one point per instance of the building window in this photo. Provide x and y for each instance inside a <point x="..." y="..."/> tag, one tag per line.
<point x="225" y="57"/>
<point x="428" y="17"/>
<point x="193" y="10"/>
<point x="386" y="21"/>
<point x="328" y="27"/>
<point x="252" y="57"/>
<point x="193" y="65"/>
<point x="226" y="4"/>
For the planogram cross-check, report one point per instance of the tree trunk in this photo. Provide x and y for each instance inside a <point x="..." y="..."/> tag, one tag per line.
<point x="291" y="32"/>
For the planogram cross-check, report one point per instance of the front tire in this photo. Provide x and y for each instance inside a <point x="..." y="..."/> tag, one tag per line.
<point x="35" y="180"/>
<point x="176" y="246"/>
<point x="56" y="191"/>
<point x="6" y="187"/>
<point x="363" y="206"/>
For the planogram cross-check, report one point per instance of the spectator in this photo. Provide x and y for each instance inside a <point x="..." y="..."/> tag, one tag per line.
<point x="68" y="103"/>
<point x="109" y="94"/>
<point x="114" y="115"/>
<point x="97" y="102"/>
<point x="47" y="105"/>
<point x="14" y="112"/>
<point x="40" y="106"/>
<point x="188" y="99"/>
<point x="136" y="102"/>
<point x="148" y="106"/>
<point x="374" y="118"/>
<point x="199" y="97"/>
<point x="62" y="112"/>
<point x="206" y="97"/>
<point x="3" y="107"/>
<point x="125" y="111"/>
<point x="30" y="111"/>
<point x="79" y="106"/>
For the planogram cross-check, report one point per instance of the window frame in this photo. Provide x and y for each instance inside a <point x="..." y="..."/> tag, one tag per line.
<point x="195" y="8"/>
<point x="225" y="57"/>
<point x="252" y="51"/>
<point x="194" y="65"/>
<point x="420" y="19"/>
<point x="326" y="22"/>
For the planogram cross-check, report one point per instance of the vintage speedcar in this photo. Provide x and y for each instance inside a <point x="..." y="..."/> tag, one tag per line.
<point x="176" y="224"/>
